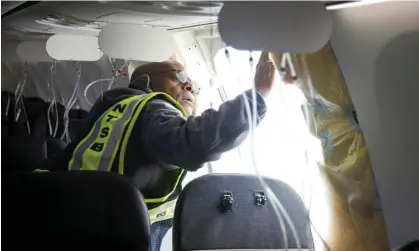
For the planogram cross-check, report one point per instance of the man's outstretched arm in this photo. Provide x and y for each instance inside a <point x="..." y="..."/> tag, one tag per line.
<point x="172" y="139"/>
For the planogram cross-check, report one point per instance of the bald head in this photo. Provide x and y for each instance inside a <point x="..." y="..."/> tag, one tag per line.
<point x="163" y="78"/>
<point x="155" y="67"/>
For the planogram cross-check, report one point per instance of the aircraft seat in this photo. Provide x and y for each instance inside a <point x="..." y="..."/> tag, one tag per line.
<point x="77" y="210"/>
<point x="22" y="153"/>
<point x="235" y="212"/>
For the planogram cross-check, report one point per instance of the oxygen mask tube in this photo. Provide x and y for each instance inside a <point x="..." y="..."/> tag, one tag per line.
<point x="19" y="104"/>
<point x="93" y="83"/>
<point x="287" y="60"/>
<point x="279" y="210"/>
<point x="115" y="73"/>
<point x="18" y="95"/>
<point x="16" y="112"/>
<point x="53" y="107"/>
<point x="271" y="194"/>
<point x="121" y="71"/>
<point x="8" y="103"/>
<point x="111" y="81"/>
<point x="70" y="104"/>
<point x="7" y="107"/>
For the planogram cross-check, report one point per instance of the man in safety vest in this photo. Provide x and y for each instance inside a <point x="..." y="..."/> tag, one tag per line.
<point x="146" y="132"/>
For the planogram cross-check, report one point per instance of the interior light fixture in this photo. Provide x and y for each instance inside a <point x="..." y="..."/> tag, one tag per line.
<point x="350" y="4"/>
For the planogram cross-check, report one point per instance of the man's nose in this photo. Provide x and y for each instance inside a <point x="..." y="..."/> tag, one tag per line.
<point x="188" y="87"/>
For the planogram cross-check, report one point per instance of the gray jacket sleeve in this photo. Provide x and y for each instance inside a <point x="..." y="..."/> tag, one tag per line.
<point x="171" y="139"/>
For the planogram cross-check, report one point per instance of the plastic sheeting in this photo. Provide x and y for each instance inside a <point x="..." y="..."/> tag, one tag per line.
<point x="357" y="219"/>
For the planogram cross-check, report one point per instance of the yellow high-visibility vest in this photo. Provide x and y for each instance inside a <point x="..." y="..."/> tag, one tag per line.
<point x="109" y="135"/>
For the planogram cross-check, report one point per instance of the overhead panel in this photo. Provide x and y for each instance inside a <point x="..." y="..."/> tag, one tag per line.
<point x="74" y="48"/>
<point x="164" y="14"/>
<point x="33" y="51"/>
<point x="87" y="18"/>
<point x="275" y="26"/>
<point x="135" y="42"/>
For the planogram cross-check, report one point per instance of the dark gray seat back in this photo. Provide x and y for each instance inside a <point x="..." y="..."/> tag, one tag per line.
<point x="204" y="221"/>
<point x="73" y="211"/>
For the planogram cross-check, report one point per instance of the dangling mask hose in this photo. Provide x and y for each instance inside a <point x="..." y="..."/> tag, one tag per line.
<point x="53" y="108"/>
<point x="19" y="105"/>
<point x="271" y="194"/>
<point x="111" y="81"/>
<point x="278" y="207"/>
<point x="70" y="104"/>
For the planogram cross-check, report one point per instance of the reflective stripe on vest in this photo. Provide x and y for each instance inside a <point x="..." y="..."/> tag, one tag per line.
<point x="98" y="150"/>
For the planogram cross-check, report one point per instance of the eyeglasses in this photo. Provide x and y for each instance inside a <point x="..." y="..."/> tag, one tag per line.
<point x="182" y="78"/>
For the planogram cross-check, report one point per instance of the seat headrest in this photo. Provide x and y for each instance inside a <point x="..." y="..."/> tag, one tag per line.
<point x="55" y="146"/>
<point x="22" y="153"/>
<point x="75" y="210"/>
<point x="236" y="212"/>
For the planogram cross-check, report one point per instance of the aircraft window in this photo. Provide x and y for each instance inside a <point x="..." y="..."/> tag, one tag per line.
<point x="284" y="148"/>
<point x="282" y="138"/>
